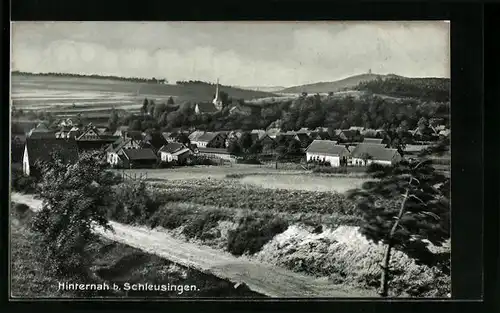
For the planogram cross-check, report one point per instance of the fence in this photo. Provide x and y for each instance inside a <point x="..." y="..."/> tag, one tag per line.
<point x="138" y="177"/>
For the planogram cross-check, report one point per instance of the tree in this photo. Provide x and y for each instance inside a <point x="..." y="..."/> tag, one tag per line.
<point x="75" y="199"/>
<point x="158" y="110"/>
<point x="144" y="108"/>
<point x="405" y="206"/>
<point x="184" y="139"/>
<point x="234" y="147"/>
<point x="245" y="141"/>
<point x="113" y="120"/>
<point x="135" y="125"/>
<point x="170" y="101"/>
<point x="365" y="157"/>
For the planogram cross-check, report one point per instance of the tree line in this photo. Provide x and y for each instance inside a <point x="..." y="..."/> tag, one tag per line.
<point x="131" y="79"/>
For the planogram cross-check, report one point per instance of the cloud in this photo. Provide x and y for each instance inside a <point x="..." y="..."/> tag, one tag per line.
<point x="238" y="53"/>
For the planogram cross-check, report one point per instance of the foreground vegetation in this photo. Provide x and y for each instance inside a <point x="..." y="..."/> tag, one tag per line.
<point x="246" y="220"/>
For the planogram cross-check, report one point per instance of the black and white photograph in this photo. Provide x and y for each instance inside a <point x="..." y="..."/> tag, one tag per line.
<point x="230" y="160"/>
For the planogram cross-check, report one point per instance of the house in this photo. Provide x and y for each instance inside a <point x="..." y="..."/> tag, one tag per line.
<point x="205" y="108"/>
<point x="41" y="131"/>
<point x="259" y="135"/>
<point x="121" y="131"/>
<point x="40" y="149"/>
<point x="365" y="154"/>
<point x="155" y="139"/>
<point x="63" y="131"/>
<point x="168" y="136"/>
<point x="374" y="141"/>
<point x="174" y="152"/>
<point x="327" y="151"/>
<point x="357" y="128"/>
<point x="215" y="153"/>
<point x="321" y="136"/>
<point x="114" y="150"/>
<point x="348" y="135"/>
<point x="138" y="158"/>
<point x="304" y="139"/>
<point x="445" y="133"/>
<point x="240" y="110"/>
<point x="273" y="132"/>
<point x="210" y="140"/>
<point x="195" y="135"/>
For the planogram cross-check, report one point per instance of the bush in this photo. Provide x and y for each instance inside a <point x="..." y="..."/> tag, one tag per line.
<point x="134" y="203"/>
<point x="23" y="183"/>
<point x="249" y="160"/>
<point x="253" y="232"/>
<point x="199" y="226"/>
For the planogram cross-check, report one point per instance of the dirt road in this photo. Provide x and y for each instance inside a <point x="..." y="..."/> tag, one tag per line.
<point x="262" y="278"/>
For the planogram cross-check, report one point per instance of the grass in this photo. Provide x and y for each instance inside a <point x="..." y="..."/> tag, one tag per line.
<point x="111" y="263"/>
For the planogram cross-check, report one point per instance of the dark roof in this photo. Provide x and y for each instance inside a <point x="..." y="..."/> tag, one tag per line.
<point x="156" y="139"/>
<point x="84" y="145"/>
<point x="207" y="107"/>
<point x="213" y="150"/>
<point x="326" y="147"/>
<point x="139" y="154"/>
<point x="373" y="140"/>
<point x="172" y="147"/>
<point x="40" y="149"/>
<point x="376" y="151"/>
<point x="208" y="136"/>
<point x="135" y="134"/>
<point x="350" y="133"/>
<point x="303" y="137"/>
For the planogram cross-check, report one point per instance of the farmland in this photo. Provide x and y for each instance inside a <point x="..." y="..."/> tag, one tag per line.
<point x="253" y="175"/>
<point x="96" y="95"/>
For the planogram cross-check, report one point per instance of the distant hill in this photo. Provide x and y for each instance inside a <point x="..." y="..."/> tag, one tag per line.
<point x="334" y="86"/>
<point x="263" y="88"/>
<point x="197" y="91"/>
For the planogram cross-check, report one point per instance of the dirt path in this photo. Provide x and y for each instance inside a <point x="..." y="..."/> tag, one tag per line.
<point x="262" y="278"/>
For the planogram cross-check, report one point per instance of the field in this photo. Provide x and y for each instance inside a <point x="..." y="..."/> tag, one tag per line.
<point x="254" y="175"/>
<point x="98" y="96"/>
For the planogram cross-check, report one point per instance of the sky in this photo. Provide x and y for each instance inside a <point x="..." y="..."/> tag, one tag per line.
<point x="238" y="53"/>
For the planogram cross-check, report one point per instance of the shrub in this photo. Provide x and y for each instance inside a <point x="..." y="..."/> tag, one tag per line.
<point x="249" y="160"/>
<point x="199" y="226"/>
<point x="134" y="203"/>
<point x="253" y="232"/>
<point x="22" y="183"/>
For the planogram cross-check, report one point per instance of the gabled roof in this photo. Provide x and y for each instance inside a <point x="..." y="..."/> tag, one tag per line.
<point x="195" y="135"/>
<point x="206" y="107"/>
<point x="139" y="154"/>
<point x="135" y="134"/>
<point x="377" y="152"/>
<point x="321" y="135"/>
<point x="207" y="137"/>
<point x="373" y="140"/>
<point x="167" y="135"/>
<point x="326" y="147"/>
<point x="273" y="131"/>
<point x="40" y="149"/>
<point x="349" y="132"/>
<point x="172" y="147"/>
<point x="156" y="139"/>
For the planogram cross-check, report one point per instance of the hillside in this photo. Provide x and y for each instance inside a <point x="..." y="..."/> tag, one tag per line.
<point x="97" y="85"/>
<point x="263" y="88"/>
<point x="334" y="86"/>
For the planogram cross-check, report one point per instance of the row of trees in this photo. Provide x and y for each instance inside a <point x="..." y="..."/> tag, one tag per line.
<point x="113" y="77"/>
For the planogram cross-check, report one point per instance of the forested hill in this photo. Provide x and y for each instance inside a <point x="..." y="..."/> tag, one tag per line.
<point x="334" y="86"/>
<point x="430" y="89"/>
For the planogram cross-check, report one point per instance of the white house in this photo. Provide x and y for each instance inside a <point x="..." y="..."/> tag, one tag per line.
<point x="327" y="151"/>
<point x="173" y="152"/>
<point x="365" y="154"/>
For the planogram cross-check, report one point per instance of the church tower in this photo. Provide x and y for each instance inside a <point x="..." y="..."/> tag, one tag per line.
<point x="217" y="102"/>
